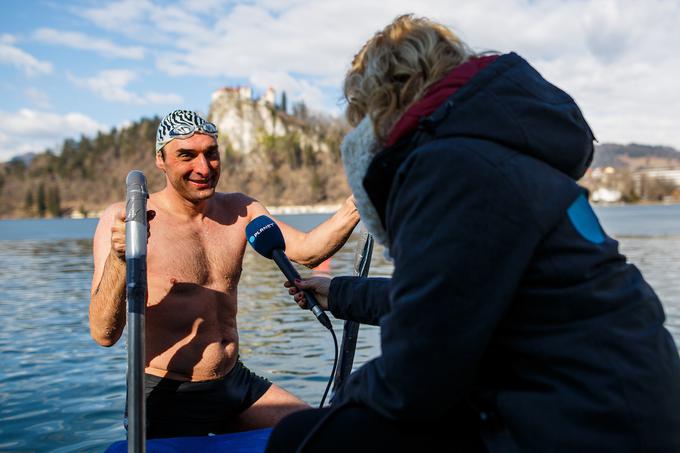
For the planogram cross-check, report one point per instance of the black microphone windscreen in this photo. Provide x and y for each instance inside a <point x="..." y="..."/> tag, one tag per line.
<point x="265" y="236"/>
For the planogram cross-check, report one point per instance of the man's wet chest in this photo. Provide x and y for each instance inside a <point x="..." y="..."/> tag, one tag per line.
<point x="210" y="256"/>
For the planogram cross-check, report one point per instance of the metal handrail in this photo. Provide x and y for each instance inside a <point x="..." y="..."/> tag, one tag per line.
<point x="135" y="281"/>
<point x="350" y="332"/>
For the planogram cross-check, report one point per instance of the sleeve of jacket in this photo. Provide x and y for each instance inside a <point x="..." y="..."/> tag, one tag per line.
<point x="462" y="236"/>
<point x="359" y="299"/>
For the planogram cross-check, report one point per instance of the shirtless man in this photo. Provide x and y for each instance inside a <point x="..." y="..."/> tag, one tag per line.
<point x="195" y="383"/>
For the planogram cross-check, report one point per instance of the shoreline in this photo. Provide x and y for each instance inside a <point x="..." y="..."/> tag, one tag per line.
<point x="304" y="209"/>
<point x="274" y="210"/>
<point x="311" y="209"/>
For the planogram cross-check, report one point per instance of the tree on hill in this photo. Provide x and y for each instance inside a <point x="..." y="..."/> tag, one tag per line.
<point x="300" y="167"/>
<point x="28" y="201"/>
<point x="54" y="202"/>
<point x="300" y="110"/>
<point x="613" y="155"/>
<point x="42" y="201"/>
<point x="284" y="102"/>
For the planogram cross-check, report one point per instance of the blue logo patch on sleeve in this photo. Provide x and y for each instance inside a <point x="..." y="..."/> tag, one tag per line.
<point x="585" y="221"/>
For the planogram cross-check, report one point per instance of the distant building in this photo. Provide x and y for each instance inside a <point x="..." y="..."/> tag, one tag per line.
<point x="270" y="96"/>
<point x="244" y="123"/>
<point x="245" y="93"/>
<point x="602" y="172"/>
<point x="666" y="175"/>
<point x="242" y="92"/>
<point x="671" y="175"/>
<point x="604" y="195"/>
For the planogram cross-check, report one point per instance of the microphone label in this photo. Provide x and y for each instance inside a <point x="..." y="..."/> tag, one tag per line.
<point x="254" y="236"/>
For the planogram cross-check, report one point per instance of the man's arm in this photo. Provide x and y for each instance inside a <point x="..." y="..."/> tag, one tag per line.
<point x="107" y="296"/>
<point x="312" y="248"/>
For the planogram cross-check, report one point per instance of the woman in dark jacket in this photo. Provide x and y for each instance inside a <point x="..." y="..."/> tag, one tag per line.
<point x="511" y="321"/>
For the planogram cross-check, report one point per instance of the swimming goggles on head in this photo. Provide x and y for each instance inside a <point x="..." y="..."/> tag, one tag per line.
<point x="182" y="124"/>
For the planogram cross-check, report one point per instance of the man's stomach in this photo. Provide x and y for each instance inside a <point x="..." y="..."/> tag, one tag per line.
<point x="191" y="338"/>
<point x="191" y="332"/>
<point x="194" y="358"/>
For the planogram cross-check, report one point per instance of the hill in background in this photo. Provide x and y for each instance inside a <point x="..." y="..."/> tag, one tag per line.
<point x="635" y="157"/>
<point x="277" y="157"/>
<point x="289" y="159"/>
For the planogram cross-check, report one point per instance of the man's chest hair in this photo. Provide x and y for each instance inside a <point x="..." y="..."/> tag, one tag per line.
<point x="196" y="259"/>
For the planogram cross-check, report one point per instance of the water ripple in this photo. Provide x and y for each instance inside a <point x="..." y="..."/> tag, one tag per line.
<point x="61" y="392"/>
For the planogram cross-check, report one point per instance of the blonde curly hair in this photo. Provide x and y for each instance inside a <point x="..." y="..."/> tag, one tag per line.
<point x="395" y="68"/>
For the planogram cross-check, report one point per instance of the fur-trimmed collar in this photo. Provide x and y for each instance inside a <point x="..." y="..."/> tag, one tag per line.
<point x="358" y="149"/>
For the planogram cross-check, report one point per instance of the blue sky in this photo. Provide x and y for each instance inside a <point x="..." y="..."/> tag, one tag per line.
<point x="72" y="68"/>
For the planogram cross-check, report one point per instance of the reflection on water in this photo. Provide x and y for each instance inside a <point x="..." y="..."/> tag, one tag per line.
<point x="57" y="388"/>
<point x="659" y="261"/>
<point x="288" y="344"/>
<point x="61" y="392"/>
<point x="640" y="220"/>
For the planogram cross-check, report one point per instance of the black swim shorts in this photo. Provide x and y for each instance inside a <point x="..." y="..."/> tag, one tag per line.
<point x="177" y="408"/>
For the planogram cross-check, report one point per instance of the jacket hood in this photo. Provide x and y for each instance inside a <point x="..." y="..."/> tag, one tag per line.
<point x="509" y="102"/>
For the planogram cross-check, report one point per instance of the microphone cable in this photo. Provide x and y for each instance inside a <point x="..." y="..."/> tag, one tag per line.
<point x="311" y="433"/>
<point x="266" y="238"/>
<point x="335" y="364"/>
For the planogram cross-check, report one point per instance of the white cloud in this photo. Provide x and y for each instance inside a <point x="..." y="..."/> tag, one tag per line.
<point x="129" y="18"/>
<point x="12" y="55"/>
<point x="622" y="71"/>
<point x="111" y="85"/>
<point x="617" y="58"/>
<point x="38" y="97"/>
<point x="295" y="88"/>
<point x="153" y="97"/>
<point x="307" y="39"/>
<point x="112" y="15"/>
<point x="205" y="7"/>
<point x="7" y="39"/>
<point x="81" y="41"/>
<point x="33" y="131"/>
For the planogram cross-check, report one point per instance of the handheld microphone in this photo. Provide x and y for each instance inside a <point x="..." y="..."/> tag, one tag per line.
<point x="267" y="240"/>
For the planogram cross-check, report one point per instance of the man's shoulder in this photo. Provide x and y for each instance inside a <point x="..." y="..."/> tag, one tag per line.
<point x="232" y="196"/>
<point x="111" y="210"/>
<point x="236" y="203"/>
<point x="234" y="199"/>
<point x="108" y="216"/>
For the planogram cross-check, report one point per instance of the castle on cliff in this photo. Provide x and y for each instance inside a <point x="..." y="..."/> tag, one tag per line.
<point x="245" y="93"/>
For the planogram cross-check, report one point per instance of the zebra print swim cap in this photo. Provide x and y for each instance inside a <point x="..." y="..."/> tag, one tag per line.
<point x="181" y="124"/>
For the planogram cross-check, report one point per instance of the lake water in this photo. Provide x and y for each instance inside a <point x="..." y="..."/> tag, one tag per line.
<point x="61" y="392"/>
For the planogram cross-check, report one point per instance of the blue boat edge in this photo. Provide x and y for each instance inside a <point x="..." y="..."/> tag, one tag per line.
<point x="246" y="441"/>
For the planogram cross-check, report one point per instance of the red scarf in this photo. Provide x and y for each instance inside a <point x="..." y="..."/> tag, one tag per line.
<point x="436" y="95"/>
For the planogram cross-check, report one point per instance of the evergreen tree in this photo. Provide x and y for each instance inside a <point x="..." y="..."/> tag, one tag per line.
<point x="42" y="202"/>
<point x="54" y="202"/>
<point x="300" y="110"/>
<point x="284" y="102"/>
<point x="28" y="202"/>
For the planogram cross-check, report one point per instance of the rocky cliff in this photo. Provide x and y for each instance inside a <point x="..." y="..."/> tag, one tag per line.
<point x="278" y="158"/>
<point x="246" y="123"/>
